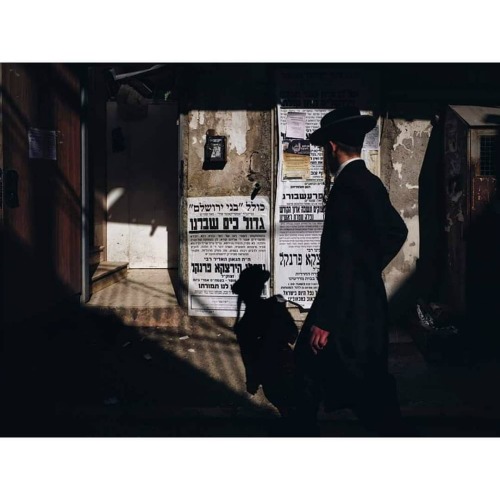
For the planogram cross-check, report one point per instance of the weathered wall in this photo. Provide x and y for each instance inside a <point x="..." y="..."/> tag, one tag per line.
<point x="403" y="149"/>
<point x="248" y="153"/>
<point x="248" y="161"/>
<point x="142" y="226"/>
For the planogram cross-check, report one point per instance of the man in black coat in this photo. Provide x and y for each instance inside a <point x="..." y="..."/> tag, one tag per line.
<point x="342" y="350"/>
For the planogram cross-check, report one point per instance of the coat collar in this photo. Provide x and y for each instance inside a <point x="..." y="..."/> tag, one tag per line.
<point x="350" y="171"/>
<point x="344" y="165"/>
<point x="349" y="177"/>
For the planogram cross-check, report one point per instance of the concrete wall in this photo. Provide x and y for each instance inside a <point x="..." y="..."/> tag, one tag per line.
<point x="249" y="161"/>
<point x="403" y="149"/>
<point x="248" y="153"/>
<point x="142" y="192"/>
<point x="402" y="152"/>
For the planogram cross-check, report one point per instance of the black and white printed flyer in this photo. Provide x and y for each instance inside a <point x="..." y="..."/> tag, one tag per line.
<point x="225" y="235"/>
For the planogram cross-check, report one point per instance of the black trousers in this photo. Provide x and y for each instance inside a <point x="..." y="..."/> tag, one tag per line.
<point x="323" y="377"/>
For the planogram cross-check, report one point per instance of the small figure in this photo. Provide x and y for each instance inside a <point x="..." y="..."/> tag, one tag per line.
<point x="265" y="334"/>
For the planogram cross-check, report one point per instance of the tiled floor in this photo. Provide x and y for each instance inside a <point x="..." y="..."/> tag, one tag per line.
<point x="142" y="288"/>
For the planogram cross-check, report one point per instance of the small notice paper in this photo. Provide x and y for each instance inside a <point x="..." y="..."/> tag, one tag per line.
<point x="372" y="139"/>
<point x="42" y="144"/>
<point x="296" y="125"/>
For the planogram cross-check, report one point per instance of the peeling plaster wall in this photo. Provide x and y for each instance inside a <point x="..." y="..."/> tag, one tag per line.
<point x="402" y="151"/>
<point x="403" y="147"/>
<point x="248" y="153"/>
<point x="248" y="136"/>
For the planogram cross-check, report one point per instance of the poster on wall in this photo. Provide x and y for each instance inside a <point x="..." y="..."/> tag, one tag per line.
<point x="42" y="144"/>
<point x="299" y="213"/>
<point x="225" y="235"/>
<point x="296" y="159"/>
<point x="296" y="148"/>
<point x="299" y="210"/>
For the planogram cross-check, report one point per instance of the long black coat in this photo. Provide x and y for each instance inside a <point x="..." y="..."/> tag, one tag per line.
<point x="362" y="233"/>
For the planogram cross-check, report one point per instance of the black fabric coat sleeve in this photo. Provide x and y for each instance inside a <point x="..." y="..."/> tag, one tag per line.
<point x="362" y="234"/>
<point x="337" y="278"/>
<point x="339" y="258"/>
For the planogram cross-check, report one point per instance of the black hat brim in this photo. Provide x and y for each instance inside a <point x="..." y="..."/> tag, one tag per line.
<point x="246" y="281"/>
<point x="362" y="123"/>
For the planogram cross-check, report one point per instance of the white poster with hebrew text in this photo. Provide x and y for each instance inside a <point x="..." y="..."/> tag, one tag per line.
<point x="226" y="234"/>
<point x="299" y="211"/>
<point x="299" y="217"/>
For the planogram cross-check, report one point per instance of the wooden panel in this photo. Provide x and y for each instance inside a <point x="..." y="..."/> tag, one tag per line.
<point x="97" y="158"/>
<point x="67" y="231"/>
<point x="43" y="235"/>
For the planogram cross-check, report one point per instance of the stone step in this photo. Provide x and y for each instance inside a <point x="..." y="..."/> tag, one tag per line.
<point x="95" y="255"/>
<point x="107" y="274"/>
<point x="164" y="317"/>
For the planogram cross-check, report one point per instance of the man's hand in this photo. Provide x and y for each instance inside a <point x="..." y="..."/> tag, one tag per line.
<point x="319" y="339"/>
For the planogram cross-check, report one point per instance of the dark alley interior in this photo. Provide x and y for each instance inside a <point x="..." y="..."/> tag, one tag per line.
<point x="68" y="369"/>
<point x="249" y="251"/>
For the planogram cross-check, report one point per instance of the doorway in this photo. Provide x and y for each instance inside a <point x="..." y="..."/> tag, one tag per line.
<point x="142" y="192"/>
<point x="139" y="251"/>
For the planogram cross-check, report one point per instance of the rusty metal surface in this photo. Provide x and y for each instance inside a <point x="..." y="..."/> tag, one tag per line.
<point x="456" y="149"/>
<point x="478" y="116"/>
<point x="483" y="192"/>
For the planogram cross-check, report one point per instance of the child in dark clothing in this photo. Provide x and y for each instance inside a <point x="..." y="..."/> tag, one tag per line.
<point x="265" y="334"/>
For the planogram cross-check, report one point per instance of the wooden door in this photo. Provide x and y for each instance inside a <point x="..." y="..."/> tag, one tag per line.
<point x="42" y="231"/>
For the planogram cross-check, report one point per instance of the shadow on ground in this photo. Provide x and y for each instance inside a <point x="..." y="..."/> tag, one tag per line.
<point x="85" y="373"/>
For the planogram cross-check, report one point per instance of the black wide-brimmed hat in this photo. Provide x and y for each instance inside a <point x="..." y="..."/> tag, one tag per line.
<point x="251" y="279"/>
<point x="346" y="125"/>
